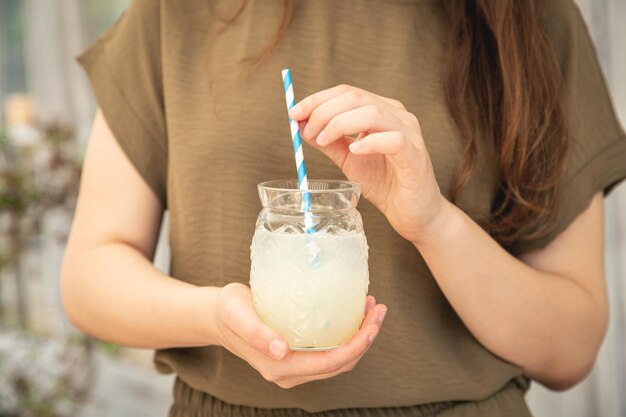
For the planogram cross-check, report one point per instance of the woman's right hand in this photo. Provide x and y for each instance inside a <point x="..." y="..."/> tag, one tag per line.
<point x="241" y="332"/>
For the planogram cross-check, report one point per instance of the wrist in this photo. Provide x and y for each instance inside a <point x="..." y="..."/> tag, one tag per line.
<point x="444" y="224"/>
<point x="204" y="315"/>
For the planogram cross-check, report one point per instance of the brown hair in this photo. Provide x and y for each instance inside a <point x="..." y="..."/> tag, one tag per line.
<point x="502" y="76"/>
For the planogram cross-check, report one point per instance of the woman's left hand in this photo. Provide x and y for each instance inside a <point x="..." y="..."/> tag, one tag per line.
<point x="388" y="157"/>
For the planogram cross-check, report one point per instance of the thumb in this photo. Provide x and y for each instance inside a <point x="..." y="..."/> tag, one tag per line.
<point x="244" y="322"/>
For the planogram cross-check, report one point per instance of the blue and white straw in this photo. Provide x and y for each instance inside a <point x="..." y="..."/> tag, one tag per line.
<point x="296" y="140"/>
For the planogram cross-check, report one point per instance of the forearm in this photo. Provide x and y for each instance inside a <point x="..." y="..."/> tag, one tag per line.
<point x="114" y="293"/>
<point x="546" y="323"/>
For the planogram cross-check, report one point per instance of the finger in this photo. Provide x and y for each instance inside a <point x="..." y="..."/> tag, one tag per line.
<point x="401" y="151"/>
<point x="337" y="151"/>
<point x="301" y="364"/>
<point x="377" y="318"/>
<point x="282" y="371"/>
<point x="373" y="118"/>
<point x="303" y="109"/>
<point x="315" y="363"/>
<point x="370" y="302"/>
<point x="292" y="382"/>
<point x="299" y="380"/>
<point x="370" y="319"/>
<point x="351" y="99"/>
<point x="244" y="322"/>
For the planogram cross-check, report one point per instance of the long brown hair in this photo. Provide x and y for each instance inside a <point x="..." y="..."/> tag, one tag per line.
<point x="503" y="77"/>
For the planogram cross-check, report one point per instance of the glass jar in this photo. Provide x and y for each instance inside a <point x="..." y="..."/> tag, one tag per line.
<point x="309" y="274"/>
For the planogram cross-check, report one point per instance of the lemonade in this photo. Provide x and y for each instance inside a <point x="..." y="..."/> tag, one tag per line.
<point x="310" y="288"/>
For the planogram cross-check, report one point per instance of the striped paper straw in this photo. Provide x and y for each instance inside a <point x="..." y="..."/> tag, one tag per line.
<point x="296" y="140"/>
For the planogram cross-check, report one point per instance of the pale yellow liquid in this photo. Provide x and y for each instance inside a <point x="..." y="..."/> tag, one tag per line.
<point x="310" y="288"/>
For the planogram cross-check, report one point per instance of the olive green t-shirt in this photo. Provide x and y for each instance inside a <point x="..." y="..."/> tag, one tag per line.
<point x="204" y="128"/>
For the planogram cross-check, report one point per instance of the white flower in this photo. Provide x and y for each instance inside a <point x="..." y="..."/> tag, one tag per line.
<point x="41" y="371"/>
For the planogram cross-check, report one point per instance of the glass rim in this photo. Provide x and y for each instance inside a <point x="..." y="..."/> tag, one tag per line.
<point x="344" y="186"/>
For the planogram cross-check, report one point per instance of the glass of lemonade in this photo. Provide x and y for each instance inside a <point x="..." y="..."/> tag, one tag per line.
<point x="309" y="274"/>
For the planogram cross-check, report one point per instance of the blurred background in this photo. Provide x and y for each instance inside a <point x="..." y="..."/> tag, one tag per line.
<point x="46" y="367"/>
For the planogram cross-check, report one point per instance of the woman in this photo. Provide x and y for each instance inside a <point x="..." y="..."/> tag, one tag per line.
<point x="486" y="140"/>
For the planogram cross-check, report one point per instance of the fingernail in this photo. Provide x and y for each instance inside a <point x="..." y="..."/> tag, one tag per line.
<point x="321" y="138"/>
<point x="371" y="303"/>
<point x="355" y="146"/>
<point x="307" y="131"/>
<point x="277" y="348"/>
<point x="372" y="336"/>
<point x="381" y="315"/>
<point x="295" y="111"/>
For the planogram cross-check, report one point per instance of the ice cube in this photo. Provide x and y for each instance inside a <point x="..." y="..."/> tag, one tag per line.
<point x="314" y="254"/>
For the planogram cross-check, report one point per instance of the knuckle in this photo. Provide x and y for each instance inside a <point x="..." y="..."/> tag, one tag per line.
<point x="396" y="139"/>
<point x="343" y="87"/>
<point x="329" y="368"/>
<point x="375" y="111"/>
<point x="420" y="148"/>
<point x="233" y="288"/>
<point x="309" y="102"/>
<point x="312" y="123"/>
<point x="354" y="96"/>
<point x="285" y="385"/>
<point x="333" y="125"/>
<point x="270" y="377"/>
<point x="228" y="309"/>
<point x="350" y="367"/>
<point x="254" y="336"/>
<point x="396" y="103"/>
<point x="318" y="117"/>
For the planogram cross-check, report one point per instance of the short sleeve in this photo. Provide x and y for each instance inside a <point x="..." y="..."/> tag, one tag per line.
<point x="124" y="68"/>
<point x="597" y="157"/>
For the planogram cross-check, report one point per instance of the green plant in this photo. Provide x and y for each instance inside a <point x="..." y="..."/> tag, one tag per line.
<point x="110" y="348"/>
